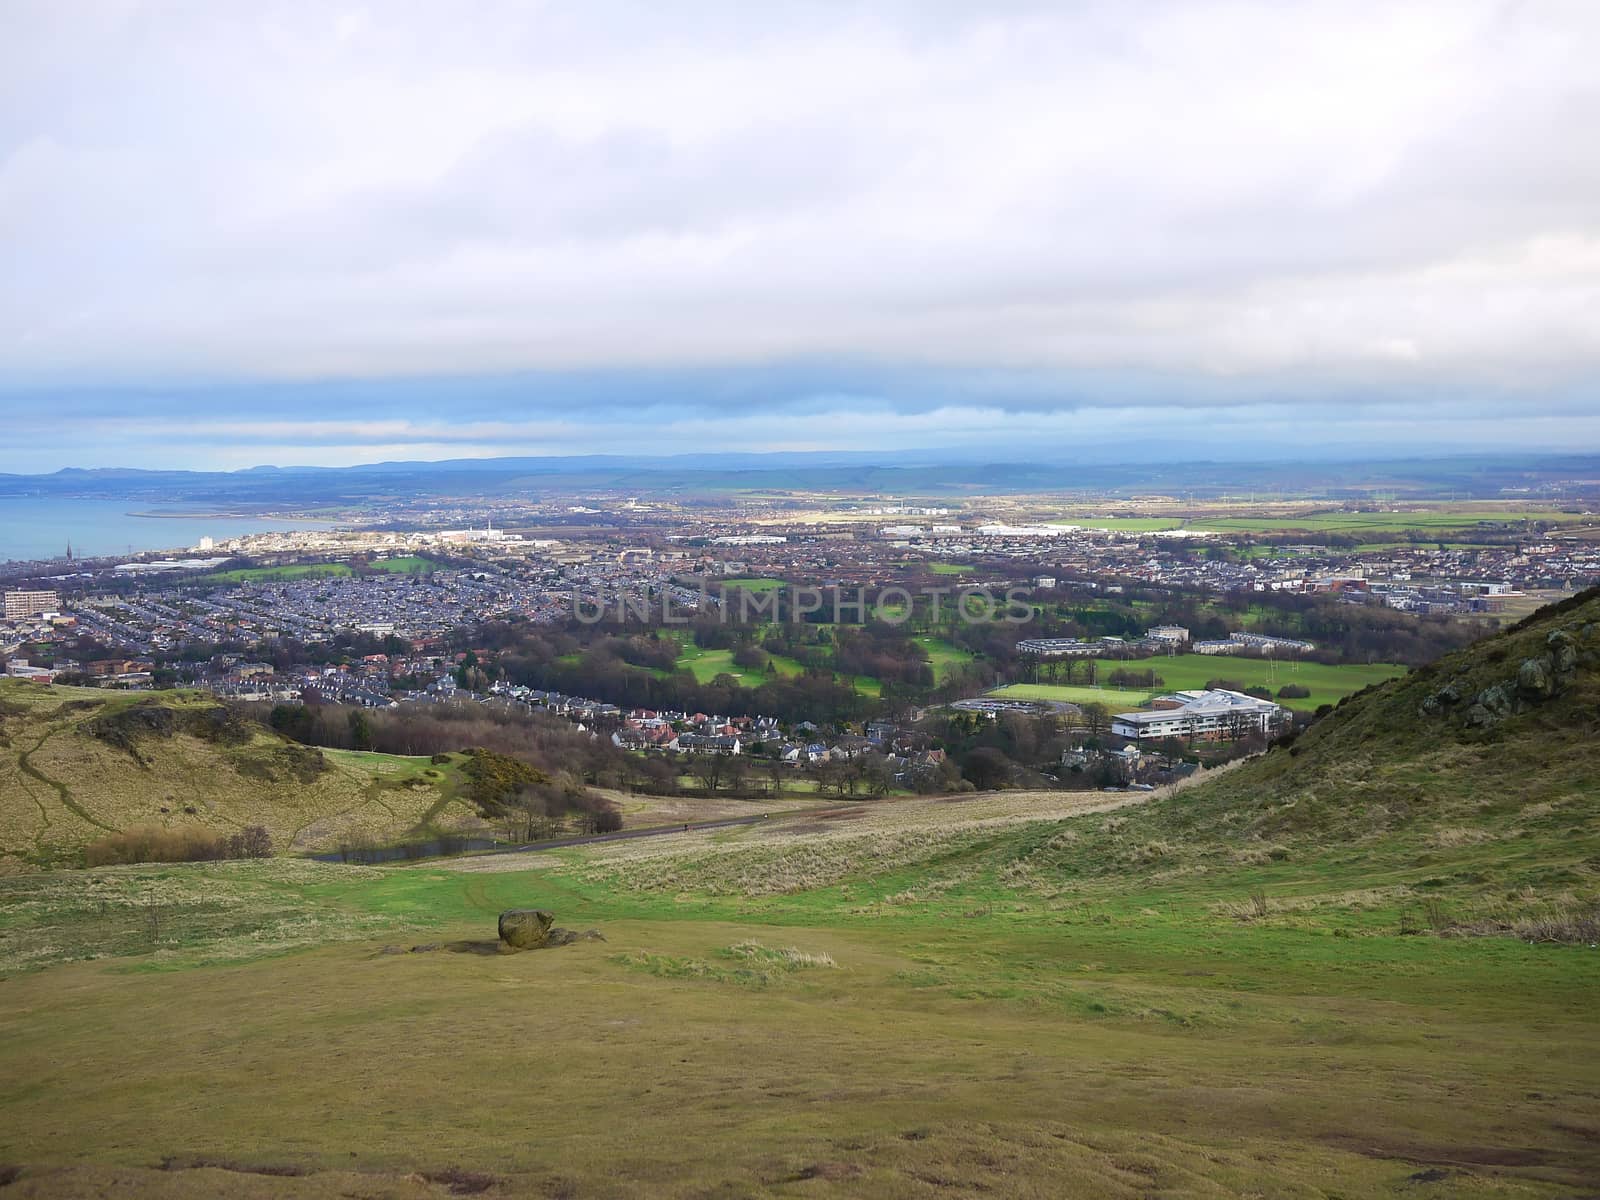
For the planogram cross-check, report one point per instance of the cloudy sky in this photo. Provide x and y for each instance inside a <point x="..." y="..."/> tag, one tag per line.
<point x="313" y="232"/>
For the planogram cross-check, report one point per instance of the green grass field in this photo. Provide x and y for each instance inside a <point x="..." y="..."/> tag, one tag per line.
<point x="278" y="574"/>
<point x="1328" y="684"/>
<point x="944" y="656"/>
<point x="1015" y="995"/>
<point x="408" y="564"/>
<point x="755" y="585"/>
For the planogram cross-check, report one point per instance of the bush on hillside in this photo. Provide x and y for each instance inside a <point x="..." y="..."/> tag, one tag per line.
<point x="155" y="845"/>
<point x="1293" y="691"/>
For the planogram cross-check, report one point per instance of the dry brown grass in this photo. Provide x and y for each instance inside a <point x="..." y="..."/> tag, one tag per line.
<point x="62" y="788"/>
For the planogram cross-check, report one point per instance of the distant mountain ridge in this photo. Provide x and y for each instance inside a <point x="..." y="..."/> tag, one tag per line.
<point x="890" y="472"/>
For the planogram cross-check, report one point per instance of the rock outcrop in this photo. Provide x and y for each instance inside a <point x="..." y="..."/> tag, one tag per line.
<point x="1539" y="679"/>
<point x="525" y="928"/>
<point x="533" y="929"/>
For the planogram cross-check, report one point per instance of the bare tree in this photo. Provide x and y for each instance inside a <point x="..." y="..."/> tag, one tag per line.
<point x="707" y="768"/>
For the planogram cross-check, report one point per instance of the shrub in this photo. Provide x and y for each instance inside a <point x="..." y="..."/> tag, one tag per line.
<point x="253" y="841"/>
<point x="496" y="778"/>
<point x="1293" y="691"/>
<point x="155" y="845"/>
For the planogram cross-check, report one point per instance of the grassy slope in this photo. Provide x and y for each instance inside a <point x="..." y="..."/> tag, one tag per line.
<point x="1035" y="995"/>
<point x="1328" y="684"/>
<point x="61" y="787"/>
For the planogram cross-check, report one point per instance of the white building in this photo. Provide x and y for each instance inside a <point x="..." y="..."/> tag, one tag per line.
<point x="1173" y="635"/>
<point x="1209" y="715"/>
<point x="1060" y="647"/>
<point x="1272" y="645"/>
<point x="22" y="605"/>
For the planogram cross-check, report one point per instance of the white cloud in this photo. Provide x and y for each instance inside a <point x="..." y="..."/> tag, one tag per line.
<point x="1367" y="195"/>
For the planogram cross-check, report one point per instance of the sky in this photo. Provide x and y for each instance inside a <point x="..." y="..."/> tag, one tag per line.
<point x="322" y="233"/>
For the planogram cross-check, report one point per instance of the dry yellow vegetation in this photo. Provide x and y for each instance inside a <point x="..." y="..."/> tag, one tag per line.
<point x="64" y="782"/>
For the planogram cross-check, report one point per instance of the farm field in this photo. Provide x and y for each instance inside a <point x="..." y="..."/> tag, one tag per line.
<point x="754" y="585"/>
<point x="1328" y="684"/>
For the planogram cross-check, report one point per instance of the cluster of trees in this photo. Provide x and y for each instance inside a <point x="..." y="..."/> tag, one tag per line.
<point x="533" y="805"/>
<point x="545" y="742"/>
<point x="614" y="666"/>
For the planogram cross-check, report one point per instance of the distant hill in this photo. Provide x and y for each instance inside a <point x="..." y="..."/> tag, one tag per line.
<point x="893" y="472"/>
<point x="78" y="763"/>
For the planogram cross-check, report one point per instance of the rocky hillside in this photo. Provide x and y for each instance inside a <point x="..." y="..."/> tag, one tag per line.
<point x="77" y="764"/>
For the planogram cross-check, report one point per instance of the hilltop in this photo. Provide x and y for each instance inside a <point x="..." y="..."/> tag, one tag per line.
<point x="78" y="763"/>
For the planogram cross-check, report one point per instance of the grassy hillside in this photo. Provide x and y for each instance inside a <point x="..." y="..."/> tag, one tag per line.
<point x="1356" y="967"/>
<point x="78" y="763"/>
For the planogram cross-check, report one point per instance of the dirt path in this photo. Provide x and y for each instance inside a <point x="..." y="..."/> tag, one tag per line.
<point x="61" y="790"/>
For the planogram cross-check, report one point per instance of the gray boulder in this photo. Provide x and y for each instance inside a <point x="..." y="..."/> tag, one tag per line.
<point x="1536" y="679"/>
<point x="1497" y="701"/>
<point x="525" y="928"/>
<point x="1563" y="652"/>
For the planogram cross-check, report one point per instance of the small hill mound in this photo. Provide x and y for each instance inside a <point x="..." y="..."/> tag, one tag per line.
<point x="77" y="764"/>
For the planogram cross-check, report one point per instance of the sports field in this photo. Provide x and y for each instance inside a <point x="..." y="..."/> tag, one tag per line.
<point x="1181" y="672"/>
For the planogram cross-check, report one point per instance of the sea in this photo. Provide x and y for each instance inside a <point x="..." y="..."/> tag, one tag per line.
<point x="35" y="527"/>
